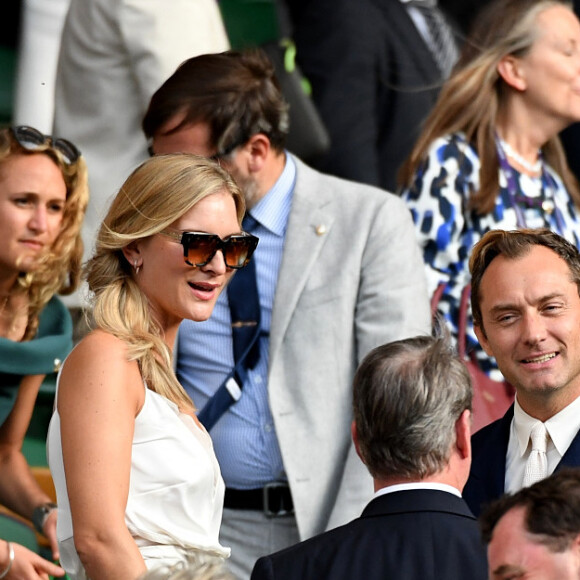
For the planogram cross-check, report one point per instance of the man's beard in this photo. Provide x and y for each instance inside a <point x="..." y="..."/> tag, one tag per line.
<point x="250" y="189"/>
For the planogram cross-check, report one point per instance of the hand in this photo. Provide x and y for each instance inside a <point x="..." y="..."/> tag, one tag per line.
<point x="30" y="566"/>
<point x="49" y="530"/>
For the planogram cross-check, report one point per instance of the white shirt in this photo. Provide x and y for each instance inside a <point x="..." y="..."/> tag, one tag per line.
<point x="176" y="491"/>
<point x="562" y="428"/>
<point x="417" y="485"/>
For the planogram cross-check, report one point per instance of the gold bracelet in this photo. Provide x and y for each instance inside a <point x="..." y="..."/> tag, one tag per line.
<point x="10" y="559"/>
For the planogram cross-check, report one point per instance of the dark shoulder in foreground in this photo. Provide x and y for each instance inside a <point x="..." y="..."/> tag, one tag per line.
<point x="409" y="544"/>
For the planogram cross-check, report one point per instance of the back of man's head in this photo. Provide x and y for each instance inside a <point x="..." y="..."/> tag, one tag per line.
<point x="408" y="396"/>
<point x="235" y="93"/>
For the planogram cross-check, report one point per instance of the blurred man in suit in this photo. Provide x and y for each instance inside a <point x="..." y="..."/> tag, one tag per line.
<point x="411" y="428"/>
<point x="376" y="67"/>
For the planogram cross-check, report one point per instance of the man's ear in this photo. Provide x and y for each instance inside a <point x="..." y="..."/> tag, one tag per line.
<point x="132" y="253"/>
<point x="354" y="435"/>
<point x="463" y="434"/>
<point x="258" y="147"/>
<point x="482" y="338"/>
<point x="510" y="70"/>
<point x="575" y="547"/>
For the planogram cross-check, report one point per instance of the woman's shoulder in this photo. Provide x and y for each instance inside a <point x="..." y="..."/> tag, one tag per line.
<point x="101" y="359"/>
<point x="99" y="337"/>
<point x="450" y="168"/>
<point x="453" y="145"/>
<point x="99" y="348"/>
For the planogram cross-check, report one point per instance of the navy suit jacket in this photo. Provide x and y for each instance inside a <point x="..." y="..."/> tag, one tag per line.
<point x="489" y="447"/>
<point x="414" y="534"/>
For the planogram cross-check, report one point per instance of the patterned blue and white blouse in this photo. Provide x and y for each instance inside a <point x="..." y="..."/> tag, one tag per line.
<point x="447" y="229"/>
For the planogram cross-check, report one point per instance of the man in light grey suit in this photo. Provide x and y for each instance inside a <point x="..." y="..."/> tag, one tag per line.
<point x="338" y="273"/>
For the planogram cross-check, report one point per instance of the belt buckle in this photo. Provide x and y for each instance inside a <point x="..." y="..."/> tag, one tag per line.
<point x="281" y="511"/>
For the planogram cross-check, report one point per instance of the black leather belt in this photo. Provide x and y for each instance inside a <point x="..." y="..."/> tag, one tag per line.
<point x="274" y="499"/>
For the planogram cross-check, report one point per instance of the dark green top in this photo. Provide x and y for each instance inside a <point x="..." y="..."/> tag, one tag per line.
<point x="38" y="356"/>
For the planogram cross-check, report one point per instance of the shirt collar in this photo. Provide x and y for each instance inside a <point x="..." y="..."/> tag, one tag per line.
<point x="417" y="485"/>
<point x="273" y="209"/>
<point x="562" y="427"/>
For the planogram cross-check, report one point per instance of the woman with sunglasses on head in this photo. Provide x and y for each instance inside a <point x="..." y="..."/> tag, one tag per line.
<point x="137" y="480"/>
<point x="43" y="197"/>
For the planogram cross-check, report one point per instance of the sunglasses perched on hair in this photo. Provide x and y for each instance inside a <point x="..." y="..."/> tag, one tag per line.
<point x="199" y="248"/>
<point x="32" y="139"/>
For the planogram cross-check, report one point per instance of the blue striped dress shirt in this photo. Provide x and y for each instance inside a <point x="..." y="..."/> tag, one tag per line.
<point x="244" y="438"/>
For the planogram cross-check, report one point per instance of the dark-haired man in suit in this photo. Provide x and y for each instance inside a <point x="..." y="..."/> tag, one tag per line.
<point x="526" y="311"/>
<point x="411" y="428"/>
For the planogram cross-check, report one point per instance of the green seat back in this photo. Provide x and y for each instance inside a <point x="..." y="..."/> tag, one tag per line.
<point x="7" y="74"/>
<point x="250" y="22"/>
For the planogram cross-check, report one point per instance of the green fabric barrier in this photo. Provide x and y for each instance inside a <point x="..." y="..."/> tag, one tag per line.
<point x="37" y="356"/>
<point x="7" y="74"/>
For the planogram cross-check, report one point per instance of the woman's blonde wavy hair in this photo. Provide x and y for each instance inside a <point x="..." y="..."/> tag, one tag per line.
<point x="59" y="268"/>
<point x="156" y="194"/>
<point x="469" y="101"/>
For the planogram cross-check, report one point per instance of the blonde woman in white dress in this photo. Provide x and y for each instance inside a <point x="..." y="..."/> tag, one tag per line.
<point x="137" y="482"/>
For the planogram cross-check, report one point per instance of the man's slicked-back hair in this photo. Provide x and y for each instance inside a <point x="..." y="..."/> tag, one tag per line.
<point x="515" y="244"/>
<point x="236" y="93"/>
<point x="407" y="397"/>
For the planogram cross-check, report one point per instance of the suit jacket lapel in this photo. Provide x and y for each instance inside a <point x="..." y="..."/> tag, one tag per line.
<point x="572" y="456"/>
<point x="494" y="464"/>
<point x="309" y="224"/>
<point x="487" y="477"/>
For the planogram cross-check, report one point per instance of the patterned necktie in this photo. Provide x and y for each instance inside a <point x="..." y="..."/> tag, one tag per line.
<point x="441" y="41"/>
<point x="244" y="303"/>
<point x="537" y="464"/>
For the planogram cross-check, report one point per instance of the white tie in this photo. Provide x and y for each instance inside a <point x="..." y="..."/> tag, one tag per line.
<point x="537" y="464"/>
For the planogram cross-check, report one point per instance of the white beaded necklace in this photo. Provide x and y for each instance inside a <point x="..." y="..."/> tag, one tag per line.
<point x="531" y="167"/>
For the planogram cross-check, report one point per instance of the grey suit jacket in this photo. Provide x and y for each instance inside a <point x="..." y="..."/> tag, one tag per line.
<point x="352" y="278"/>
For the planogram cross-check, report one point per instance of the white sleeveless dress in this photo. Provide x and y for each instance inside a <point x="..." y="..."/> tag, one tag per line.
<point x="176" y="490"/>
